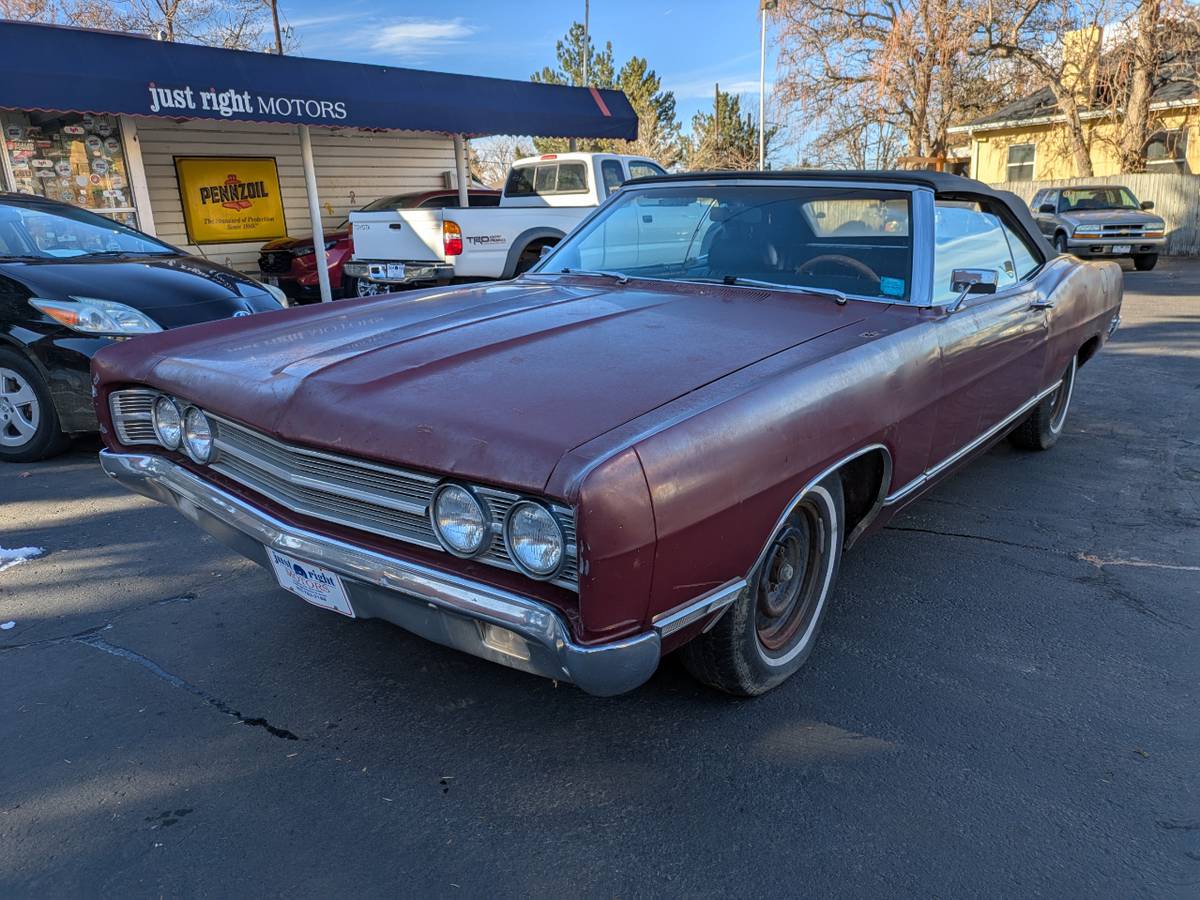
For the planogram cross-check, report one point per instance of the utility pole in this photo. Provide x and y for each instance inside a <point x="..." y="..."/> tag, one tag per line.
<point x="587" y="57"/>
<point x="764" y="5"/>
<point x="274" y="4"/>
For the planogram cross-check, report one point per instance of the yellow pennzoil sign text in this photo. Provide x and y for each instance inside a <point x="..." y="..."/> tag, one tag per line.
<point x="228" y="199"/>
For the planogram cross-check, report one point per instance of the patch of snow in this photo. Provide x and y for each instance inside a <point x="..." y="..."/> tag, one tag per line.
<point x="10" y="558"/>
<point x="8" y="625"/>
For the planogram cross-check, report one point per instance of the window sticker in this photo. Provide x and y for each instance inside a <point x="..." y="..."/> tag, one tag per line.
<point x="892" y="287"/>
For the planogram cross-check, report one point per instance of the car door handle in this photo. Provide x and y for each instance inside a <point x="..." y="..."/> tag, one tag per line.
<point x="1041" y="303"/>
<point x="395" y="226"/>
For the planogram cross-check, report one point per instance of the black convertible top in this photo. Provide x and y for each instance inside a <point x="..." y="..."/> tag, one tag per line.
<point x="944" y="186"/>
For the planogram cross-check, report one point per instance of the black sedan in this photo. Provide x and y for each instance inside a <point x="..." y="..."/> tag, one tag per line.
<point x="72" y="282"/>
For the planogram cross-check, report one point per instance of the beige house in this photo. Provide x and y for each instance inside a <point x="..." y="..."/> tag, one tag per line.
<point x="1027" y="140"/>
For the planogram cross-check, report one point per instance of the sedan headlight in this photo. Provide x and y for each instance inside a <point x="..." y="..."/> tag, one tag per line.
<point x="168" y="423"/>
<point x="197" y="436"/>
<point x="459" y="520"/>
<point x="89" y="315"/>
<point x="277" y="293"/>
<point x="534" y="539"/>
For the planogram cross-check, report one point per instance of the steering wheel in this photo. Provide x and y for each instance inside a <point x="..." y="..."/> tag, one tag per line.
<point x="846" y="262"/>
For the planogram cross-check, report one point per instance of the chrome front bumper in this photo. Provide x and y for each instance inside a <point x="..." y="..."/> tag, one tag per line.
<point x="440" y="607"/>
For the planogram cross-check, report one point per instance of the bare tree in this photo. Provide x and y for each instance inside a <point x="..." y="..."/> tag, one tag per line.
<point x="905" y="63"/>
<point x="1158" y="44"/>
<point x="490" y="158"/>
<point x="1060" y="42"/>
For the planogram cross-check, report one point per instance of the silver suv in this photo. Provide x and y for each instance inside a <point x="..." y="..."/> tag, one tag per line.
<point x="1100" y="220"/>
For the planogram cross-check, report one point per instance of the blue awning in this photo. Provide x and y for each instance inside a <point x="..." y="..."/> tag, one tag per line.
<point x="49" y="67"/>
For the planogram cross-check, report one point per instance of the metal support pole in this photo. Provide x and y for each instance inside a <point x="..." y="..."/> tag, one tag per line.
<point x="314" y="213"/>
<point x="460" y="170"/>
<point x="762" y="90"/>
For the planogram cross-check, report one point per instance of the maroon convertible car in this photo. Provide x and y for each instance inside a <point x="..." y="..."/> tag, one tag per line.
<point x="662" y="437"/>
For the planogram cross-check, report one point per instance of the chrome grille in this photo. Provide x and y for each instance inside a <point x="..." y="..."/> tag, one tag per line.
<point x="1131" y="231"/>
<point x="132" y="411"/>
<point x="359" y="494"/>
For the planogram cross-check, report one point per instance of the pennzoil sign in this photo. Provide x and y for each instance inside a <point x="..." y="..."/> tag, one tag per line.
<point x="227" y="199"/>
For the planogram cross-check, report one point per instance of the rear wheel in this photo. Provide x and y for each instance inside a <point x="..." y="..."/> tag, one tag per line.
<point x="530" y="256"/>
<point x="29" y="427"/>
<point x="1041" y="430"/>
<point x="771" y="629"/>
<point x="1144" y="262"/>
<point x="360" y="287"/>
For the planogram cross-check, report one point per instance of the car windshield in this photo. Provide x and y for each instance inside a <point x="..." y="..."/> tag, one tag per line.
<point x="1097" y="198"/>
<point x="46" y="232"/>
<point x="846" y="239"/>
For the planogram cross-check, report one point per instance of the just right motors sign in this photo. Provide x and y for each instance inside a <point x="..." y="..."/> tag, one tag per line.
<point x="230" y="199"/>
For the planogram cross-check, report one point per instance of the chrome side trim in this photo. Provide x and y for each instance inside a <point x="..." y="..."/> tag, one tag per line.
<point x="442" y="607"/>
<point x="958" y="454"/>
<point x="717" y="599"/>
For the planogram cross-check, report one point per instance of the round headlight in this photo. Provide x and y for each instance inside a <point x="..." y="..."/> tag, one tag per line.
<point x="197" y="435"/>
<point x="459" y="520"/>
<point x="534" y="539"/>
<point x="168" y="423"/>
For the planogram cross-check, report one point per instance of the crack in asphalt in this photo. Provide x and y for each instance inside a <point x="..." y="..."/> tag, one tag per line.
<point x="1101" y="579"/>
<point x="974" y="537"/>
<point x="175" y="681"/>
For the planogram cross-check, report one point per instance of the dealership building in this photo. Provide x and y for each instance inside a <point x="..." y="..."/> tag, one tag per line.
<point x="218" y="151"/>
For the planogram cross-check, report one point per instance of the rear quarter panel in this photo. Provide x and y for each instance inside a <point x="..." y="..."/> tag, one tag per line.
<point x="1087" y="294"/>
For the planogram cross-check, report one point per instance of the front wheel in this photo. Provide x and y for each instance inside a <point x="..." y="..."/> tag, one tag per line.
<point x="771" y="629"/>
<point x="29" y="427"/>
<point x="1041" y="430"/>
<point x="1060" y="243"/>
<point x="1144" y="262"/>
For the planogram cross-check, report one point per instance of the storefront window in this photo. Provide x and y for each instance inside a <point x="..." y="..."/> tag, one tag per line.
<point x="74" y="158"/>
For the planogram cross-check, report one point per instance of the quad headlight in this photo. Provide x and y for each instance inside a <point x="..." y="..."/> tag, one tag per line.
<point x="459" y="520"/>
<point x="197" y="435"/>
<point x="168" y="423"/>
<point x="534" y="539"/>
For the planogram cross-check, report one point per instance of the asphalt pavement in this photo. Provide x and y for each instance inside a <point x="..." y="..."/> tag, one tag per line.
<point x="1005" y="701"/>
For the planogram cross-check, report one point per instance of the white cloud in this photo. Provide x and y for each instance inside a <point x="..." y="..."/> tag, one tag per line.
<point x="695" y="90"/>
<point x="416" y="38"/>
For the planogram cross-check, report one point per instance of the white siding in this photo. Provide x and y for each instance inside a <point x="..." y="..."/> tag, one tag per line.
<point x="353" y="168"/>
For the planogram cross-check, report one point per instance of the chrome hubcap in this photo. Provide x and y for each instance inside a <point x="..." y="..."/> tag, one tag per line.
<point x="20" y="413"/>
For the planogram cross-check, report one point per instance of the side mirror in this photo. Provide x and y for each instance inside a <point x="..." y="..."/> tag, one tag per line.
<point x="1046" y="208"/>
<point x="546" y="250"/>
<point x="1147" y="204"/>
<point x="972" y="281"/>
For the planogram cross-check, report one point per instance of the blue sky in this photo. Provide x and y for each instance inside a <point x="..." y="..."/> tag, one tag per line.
<point x="691" y="43"/>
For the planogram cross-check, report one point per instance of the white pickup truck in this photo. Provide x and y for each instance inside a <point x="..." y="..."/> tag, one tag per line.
<point x="544" y="198"/>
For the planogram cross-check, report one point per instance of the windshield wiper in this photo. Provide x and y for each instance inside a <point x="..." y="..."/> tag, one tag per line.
<point x="837" y="295"/>
<point x="621" y="277"/>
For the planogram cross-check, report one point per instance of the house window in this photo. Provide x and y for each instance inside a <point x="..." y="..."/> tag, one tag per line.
<point x="1020" y="162"/>
<point x="1167" y="150"/>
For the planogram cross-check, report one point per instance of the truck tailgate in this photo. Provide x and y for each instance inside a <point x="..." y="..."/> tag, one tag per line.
<point x="410" y="235"/>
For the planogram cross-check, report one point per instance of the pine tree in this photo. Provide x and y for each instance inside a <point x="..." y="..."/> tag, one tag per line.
<point x="658" y="129"/>
<point x="724" y="138"/>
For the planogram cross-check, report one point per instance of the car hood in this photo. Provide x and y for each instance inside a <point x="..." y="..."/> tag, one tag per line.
<point x="302" y="243"/>
<point x="172" y="290"/>
<point x="494" y="383"/>
<point x="1110" y="217"/>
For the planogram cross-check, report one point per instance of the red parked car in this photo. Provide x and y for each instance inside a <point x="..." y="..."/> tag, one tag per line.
<point x="662" y="437"/>
<point x="290" y="264"/>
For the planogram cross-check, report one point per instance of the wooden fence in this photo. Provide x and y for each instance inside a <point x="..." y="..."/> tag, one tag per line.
<point x="1176" y="198"/>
